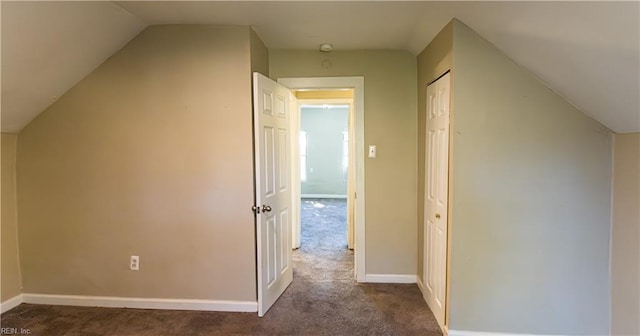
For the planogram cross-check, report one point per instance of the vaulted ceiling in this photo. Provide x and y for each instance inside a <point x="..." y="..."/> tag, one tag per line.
<point x="588" y="52"/>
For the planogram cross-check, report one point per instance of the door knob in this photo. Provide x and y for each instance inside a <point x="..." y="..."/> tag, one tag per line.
<point x="438" y="216"/>
<point x="266" y="208"/>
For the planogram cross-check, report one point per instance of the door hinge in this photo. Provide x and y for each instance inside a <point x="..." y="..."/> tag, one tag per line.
<point x="255" y="209"/>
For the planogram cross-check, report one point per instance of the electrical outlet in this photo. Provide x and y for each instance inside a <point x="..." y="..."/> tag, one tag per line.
<point x="134" y="265"/>
<point x="372" y="151"/>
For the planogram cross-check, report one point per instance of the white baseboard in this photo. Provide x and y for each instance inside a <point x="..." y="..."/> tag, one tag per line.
<point x="322" y="196"/>
<point x="11" y="303"/>
<point x="140" y="303"/>
<point x="486" y="333"/>
<point x="390" y="278"/>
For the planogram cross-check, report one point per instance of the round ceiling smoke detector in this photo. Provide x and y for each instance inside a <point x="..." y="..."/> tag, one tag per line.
<point x="326" y="47"/>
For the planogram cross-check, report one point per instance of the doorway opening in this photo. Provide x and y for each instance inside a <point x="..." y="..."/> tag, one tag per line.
<point x="325" y="165"/>
<point x="334" y="91"/>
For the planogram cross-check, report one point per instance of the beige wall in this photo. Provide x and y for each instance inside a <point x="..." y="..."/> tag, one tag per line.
<point x="390" y="124"/>
<point x="10" y="281"/>
<point x="531" y="200"/>
<point x="625" y="236"/>
<point x="433" y="61"/>
<point x="259" y="54"/>
<point x="149" y="155"/>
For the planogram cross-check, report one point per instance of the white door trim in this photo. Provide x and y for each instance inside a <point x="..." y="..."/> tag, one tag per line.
<point x="357" y="84"/>
<point x="351" y="170"/>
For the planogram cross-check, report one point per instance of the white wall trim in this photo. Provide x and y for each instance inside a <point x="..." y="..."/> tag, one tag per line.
<point x="357" y="83"/>
<point x="140" y="303"/>
<point x="322" y="196"/>
<point x="486" y="333"/>
<point x="391" y="278"/>
<point x="10" y="303"/>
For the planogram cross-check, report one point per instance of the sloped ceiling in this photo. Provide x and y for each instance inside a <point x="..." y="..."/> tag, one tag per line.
<point x="47" y="47"/>
<point x="588" y="52"/>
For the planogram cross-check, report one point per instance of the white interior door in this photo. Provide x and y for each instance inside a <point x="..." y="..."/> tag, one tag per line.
<point x="273" y="189"/>
<point x="436" y="196"/>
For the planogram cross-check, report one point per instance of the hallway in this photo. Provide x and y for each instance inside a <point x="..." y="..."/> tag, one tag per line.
<point x="324" y="298"/>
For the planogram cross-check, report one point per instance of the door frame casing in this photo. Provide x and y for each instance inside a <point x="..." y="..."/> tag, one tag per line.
<point x="357" y="84"/>
<point x="295" y="127"/>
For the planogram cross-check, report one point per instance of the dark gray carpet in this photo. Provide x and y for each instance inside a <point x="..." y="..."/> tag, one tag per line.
<point x="322" y="300"/>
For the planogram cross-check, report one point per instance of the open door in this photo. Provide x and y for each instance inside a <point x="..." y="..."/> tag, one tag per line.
<point x="273" y="189"/>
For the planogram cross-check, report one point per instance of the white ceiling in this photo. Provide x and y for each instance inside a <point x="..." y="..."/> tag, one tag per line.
<point x="588" y="52"/>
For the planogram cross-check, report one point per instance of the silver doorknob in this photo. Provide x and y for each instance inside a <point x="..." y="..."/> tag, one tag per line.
<point x="438" y="216"/>
<point x="266" y="208"/>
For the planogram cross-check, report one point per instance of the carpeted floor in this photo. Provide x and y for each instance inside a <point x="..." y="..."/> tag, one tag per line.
<point x="323" y="299"/>
<point x="323" y="253"/>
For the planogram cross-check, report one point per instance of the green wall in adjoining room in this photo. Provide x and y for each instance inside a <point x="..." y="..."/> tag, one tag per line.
<point x="324" y="129"/>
